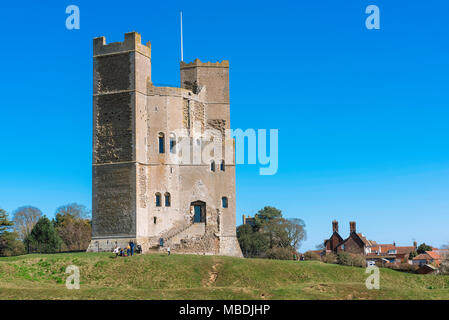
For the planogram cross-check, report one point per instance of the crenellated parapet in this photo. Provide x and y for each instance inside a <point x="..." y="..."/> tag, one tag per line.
<point x="197" y="63"/>
<point x="132" y="42"/>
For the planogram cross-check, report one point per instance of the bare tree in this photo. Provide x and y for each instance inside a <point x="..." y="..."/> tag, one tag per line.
<point x="444" y="266"/>
<point x="77" y="211"/>
<point x="296" y="230"/>
<point x="73" y="226"/>
<point x="24" y="220"/>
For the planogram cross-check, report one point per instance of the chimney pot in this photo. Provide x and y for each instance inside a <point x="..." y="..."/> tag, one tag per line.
<point x="352" y="226"/>
<point x="335" y="226"/>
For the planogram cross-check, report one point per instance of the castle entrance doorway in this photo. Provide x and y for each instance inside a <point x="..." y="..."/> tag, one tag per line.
<point x="199" y="210"/>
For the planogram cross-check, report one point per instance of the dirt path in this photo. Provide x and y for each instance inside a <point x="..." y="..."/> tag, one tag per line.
<point x="213" y="274"/>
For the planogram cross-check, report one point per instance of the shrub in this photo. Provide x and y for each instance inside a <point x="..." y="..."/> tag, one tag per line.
<point x="279" y="253"/>
<point x="405" y="267"/>
<point x="330" y="258"/>
<point x="309" y="255"/>
<point x="350" y="259"/>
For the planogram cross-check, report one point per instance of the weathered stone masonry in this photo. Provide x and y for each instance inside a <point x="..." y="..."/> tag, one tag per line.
<point x="138" y="193"/>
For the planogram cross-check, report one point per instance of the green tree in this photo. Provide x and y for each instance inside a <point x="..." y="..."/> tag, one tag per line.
<point x="73" y="227"/>
<point x="43" y="237"/>
<point x="5" y="224"/>
<point x="271" y="233"/>
<point x="423" y="247"/>
<point x="266" y="214"/>
<point x="9" y="244"/>
<point x="276" y="231"/>
<point x="252" y="243"/>
<point x="412" y="255"/>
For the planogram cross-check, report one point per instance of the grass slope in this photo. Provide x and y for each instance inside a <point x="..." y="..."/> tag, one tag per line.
<point x="157" y="276"/>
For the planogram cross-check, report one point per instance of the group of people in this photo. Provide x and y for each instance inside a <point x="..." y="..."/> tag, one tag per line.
<point x="129" y="250"/>
<point x="125" y="252"/>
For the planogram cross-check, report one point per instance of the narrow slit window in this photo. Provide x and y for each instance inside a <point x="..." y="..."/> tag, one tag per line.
<point x="222" y="165"/>
<point x="212" y="166"/>
<point x="172" y="143"/>
<point x="161" y="142"/>
<point x="224" y="202"/>
<point x="167" y="199"/>
<point x="158" y="199"/>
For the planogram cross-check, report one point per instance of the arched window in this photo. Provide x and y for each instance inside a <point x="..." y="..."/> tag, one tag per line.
<point x="224" y="202"/>
<point x="158" y="199"/>
<point x="212" y="166"/>
<point x="167" y="199"/>
<point x="161" y="142"/>
<point x="172" y="143"/>
<point x="222" y="165"/>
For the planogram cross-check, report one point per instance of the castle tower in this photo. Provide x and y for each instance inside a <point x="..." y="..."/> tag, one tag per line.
<point x="139" y="192"/>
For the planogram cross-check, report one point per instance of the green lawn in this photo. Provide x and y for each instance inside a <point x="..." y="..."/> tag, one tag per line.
<point x="157" y="276"/>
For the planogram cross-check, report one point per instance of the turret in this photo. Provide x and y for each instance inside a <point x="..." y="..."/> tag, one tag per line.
<point x="212" y="77"/>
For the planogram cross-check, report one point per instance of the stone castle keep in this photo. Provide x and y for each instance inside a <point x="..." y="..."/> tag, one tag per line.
<point x="139" y="193"/>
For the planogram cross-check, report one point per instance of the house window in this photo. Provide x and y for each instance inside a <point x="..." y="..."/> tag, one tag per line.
<point x="154" y="220"/>
<point x="212" y="166"/>
<point x="222" y="165"/>
<point x="224" y="202"/>
<point x="167" y="199"/>
<point x="172" y="143"/>
<point x="158" y="199"/>
<point x="161" y="143"/>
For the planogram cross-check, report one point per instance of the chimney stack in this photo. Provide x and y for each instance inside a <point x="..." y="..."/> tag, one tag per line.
<point x="335" y="226"/>
<point x="352" y="226"/>
<point x="415" y="244"/>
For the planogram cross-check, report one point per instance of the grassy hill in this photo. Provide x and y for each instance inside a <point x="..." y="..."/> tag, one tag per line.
<point x="157" y="276"/>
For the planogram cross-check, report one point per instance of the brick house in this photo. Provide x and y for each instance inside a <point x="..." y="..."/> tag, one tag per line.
<point x="357" y="243"/>
<point x="330" y="244"/>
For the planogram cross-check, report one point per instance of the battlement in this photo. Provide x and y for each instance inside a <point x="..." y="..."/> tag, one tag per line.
<point x="132" y="42"/>
<point x="198" y="63"/>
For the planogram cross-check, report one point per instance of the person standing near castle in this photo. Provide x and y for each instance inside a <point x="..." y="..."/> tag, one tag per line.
<point x="131" y="244"/>
<point x="168" y="250"/>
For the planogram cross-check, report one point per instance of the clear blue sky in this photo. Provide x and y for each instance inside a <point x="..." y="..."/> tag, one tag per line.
<point x="362" y="114"/>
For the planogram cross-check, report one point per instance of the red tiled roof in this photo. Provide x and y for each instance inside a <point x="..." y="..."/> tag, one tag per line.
<point x="384" y="248"/>
<point x="404" y="250"/>
<point x="434" y="255"/>
<point x="422" y="256"/>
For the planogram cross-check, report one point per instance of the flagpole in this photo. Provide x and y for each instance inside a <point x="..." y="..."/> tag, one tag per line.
<point x="182" y="53"/>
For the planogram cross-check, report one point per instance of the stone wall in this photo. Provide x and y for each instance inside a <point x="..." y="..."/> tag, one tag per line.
<point x="113" y="200"/>
<point x="113" y="128"/>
